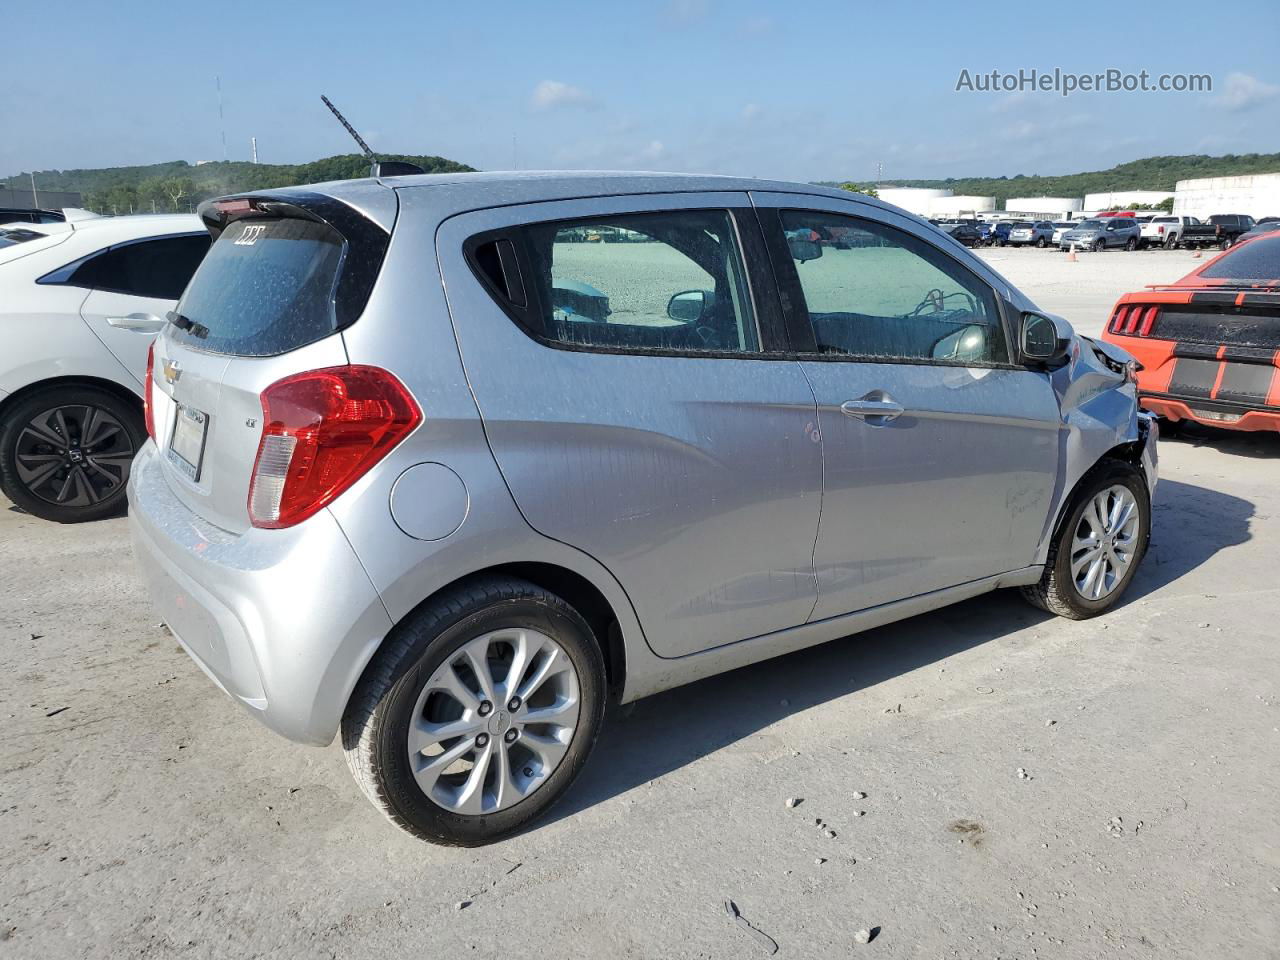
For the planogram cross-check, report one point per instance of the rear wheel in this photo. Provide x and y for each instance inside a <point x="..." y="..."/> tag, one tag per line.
<point x="1099" y="545"/>
<point x="478" y="712"/>
<point x="1131" y="244"/>
<point x="65" y="452"/>
<point x="1225" y="244"/>
<point x="1042" y="243"/>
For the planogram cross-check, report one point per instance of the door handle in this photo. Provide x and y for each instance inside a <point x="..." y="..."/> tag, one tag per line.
<point x="873" y="411"/>
<point x="137" y="323"/>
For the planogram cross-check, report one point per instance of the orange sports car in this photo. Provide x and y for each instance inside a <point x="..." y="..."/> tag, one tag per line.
<point x="1209" y="344"/>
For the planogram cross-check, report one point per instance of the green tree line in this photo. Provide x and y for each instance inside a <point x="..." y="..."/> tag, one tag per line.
<point x="1151" y="173"/>
<point x="178" y="185"/>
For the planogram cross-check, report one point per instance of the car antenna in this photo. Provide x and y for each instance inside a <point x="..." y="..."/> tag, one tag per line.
<point x="377" y="168"/>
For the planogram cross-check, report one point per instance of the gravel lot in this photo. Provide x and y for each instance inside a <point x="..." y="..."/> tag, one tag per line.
<point x="141" y="814"/>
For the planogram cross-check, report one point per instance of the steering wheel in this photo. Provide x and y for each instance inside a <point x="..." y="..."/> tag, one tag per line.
<point x="708" y="335"/>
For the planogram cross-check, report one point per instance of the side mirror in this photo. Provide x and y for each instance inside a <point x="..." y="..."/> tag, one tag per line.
<point x="804" y="250"/>
<point x="690" y="306"/>
<point x="1111" y="226"/>
<point x="1044" y="339"/>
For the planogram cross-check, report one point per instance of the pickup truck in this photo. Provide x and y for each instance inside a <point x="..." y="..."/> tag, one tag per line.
<point x="1222" y="230"/>
<point x="1164" y="231"/>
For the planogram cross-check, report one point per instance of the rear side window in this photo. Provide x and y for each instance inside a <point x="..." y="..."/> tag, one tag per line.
<point x="265" y="288"/>
<point x="901" y="299"/>
<point x="663" y="282"/>
<point x="159" y="268"/>
<point x="154" y="268"/>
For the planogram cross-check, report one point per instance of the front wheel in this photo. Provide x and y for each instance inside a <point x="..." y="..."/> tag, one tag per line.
<point x="1097" y="548"/>
<point x="65" y="452"/>
<point x="1099" y="245"/>
<point x="478" y="712"/>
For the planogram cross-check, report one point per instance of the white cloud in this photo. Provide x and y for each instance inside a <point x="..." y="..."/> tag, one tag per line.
<point x="751" y="111"/>
<point x="1242" y="91"/>
<point x="550" y="94"/>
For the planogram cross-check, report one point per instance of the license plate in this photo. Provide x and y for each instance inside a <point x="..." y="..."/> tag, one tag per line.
<point x="186" y="445"/>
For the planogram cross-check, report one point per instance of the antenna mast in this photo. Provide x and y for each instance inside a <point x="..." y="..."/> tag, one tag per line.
<point x="364" y="147"/>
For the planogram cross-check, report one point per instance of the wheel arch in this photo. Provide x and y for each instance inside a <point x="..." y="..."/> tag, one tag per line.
<point x="1129" y="452"/>
<point x="575" y="589"/>
<point x="122" y="393"/>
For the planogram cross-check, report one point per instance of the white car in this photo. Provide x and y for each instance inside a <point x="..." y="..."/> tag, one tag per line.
<point x="1060" y="227"/>
<point x="80" y="303"/>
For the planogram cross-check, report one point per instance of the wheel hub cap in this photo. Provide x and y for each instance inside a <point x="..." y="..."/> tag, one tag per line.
<point x="1104" y="543"/>
<point x="474" y="763"/>
<point x="74" y="455"/>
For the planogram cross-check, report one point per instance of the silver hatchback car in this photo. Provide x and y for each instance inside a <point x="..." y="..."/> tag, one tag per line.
<point x="441" y="463"/>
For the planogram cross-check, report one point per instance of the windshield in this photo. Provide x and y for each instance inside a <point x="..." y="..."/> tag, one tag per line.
<point x="9" y="236"/>
<point x="1090" y="225"/>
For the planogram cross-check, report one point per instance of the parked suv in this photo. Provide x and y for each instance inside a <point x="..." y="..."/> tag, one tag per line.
<point x="1025" y="233"/>
<point x="79" y="304"/>
<point x="426" y="471"/>
<point x="1100" y="233"/>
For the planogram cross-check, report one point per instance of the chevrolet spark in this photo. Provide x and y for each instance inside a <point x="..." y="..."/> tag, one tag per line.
<point x="439" y="464"/>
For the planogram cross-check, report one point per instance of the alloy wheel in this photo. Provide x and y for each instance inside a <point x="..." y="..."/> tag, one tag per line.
<point x="76" y="455"/>
<point x="1105" y="542"/>
<point x="494" y="721"/>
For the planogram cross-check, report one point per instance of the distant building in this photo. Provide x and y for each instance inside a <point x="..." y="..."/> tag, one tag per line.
<point x="21" y="198"/>
<point x="1257" y="196"/>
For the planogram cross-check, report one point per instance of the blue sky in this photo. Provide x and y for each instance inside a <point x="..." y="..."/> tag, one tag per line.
<point x="801" y="91"/>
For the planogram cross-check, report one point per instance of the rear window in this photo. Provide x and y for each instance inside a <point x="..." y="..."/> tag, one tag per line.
<point x="1257" y="259"/>
<point x="1022" y="225"/>
<point x="265" y="288"/>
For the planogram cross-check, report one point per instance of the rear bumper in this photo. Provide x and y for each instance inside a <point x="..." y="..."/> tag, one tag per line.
<point x="283" y="621"/>
<point x="1212" y="413"/>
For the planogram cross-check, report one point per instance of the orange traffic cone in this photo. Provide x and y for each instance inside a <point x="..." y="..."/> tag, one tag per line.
<point x="1196" y="255"/>
<point x="1071" y="254"/>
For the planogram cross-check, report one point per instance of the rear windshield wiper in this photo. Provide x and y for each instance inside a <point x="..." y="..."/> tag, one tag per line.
<point x="198" y="330"/>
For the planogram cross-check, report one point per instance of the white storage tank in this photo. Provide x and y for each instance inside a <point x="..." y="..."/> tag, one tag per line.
<point x="1124" y="198"/>
<point x="915" y="200"/>
<point x="1258" y="196"/>
<point x="967" y="206"/>
<point x="1044" y="208"/>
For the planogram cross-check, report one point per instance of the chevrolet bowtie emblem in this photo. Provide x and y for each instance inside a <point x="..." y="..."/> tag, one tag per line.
<point x="172" y="371"/>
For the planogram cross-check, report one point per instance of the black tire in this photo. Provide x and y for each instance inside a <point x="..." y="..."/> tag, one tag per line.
<point x="89" y="482"/>
<point x="1042" y="243"/>
<point x="1099" y="245"/>
<point x="1130" y="245"/>
<point x="375" y="727"/>
<point x="1171" y="243"/>
<point x="1225" y="243"/>
<point x="1056" y="591"/>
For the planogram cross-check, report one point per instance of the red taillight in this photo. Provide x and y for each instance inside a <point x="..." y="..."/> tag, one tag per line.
<point x="148" y="401"/>
<point x="1131" y="321"/>
<point x="322" y="431"/>
<point x="1161" y="230"/>
<point x="1148" y="321"/>
<point x="1117" y="321"/>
